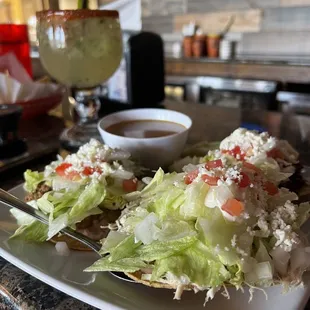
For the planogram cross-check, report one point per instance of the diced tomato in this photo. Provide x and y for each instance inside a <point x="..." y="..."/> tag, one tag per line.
<point x="214" y="164"/>
<point x="233" y="207"/>
<point x="191" y="176"/>
<point x="209" y="179"/>
<point x="245" y="180"/>
<point x="60" y="170"/>
<point x="270" y="188"/>
<point x="252" y="167"/>
<point x="275" y="153"/>
<point x="89" y="171"/>
<point x="130" y="185"/>
<point x="235" y="152"/>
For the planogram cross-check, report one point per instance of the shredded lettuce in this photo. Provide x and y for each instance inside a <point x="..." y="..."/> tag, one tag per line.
<point x="34" y="231"/>
<point x="124" y="249"/>
<point x="175" y="229"/>
<point x="112" y="240"/>
<point x="112" y="201"/>
<point x="261" y="274"/>
<point x="21" y="217"/>
<point x="193" y="205"/>
<point x="32" y="179"/>
<point x="131" y="264"/>
<point x="44" y="204"/>
<point x="197" y="263"/>
<point x="163" y="249"/>
<point x="90" y="198"/>
<point x="146" y="230"/>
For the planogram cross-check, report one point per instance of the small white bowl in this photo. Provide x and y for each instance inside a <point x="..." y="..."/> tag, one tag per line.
<point x="152" y="152"/>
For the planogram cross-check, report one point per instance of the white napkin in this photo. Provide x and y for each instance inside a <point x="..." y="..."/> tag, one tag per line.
<point x="17" y="86"/>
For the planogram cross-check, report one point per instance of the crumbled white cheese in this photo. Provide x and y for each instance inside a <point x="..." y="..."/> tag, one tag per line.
<point x="99" y="158"/>
<point x="249" y="140"/>
<point x="255" y="146"/>
<point x="263" y="224"/>
<point x="241" y="252"/>
<point x="234" y="241"/>
<point x="245" y="215"/>
<point x="282" y="219"/>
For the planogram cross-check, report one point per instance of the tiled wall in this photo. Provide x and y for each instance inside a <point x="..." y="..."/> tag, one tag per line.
<point x="282" y="29"/>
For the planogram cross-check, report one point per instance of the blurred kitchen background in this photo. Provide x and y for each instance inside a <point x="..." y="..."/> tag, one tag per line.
<point x="233" y="53"/>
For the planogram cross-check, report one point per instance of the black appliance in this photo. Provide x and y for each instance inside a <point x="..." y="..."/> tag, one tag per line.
<point x="140" y="80"/>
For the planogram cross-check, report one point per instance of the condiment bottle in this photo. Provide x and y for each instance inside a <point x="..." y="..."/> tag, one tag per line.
<point x="213" y="42"/>
<point x="199" y="46"/>
<point x="187" y="46"/>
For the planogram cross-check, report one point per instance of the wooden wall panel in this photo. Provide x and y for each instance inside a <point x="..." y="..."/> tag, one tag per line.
<point x="282" y="73"/>
<point x="245" y="21"/>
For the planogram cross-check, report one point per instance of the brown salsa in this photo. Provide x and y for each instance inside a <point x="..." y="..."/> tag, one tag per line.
<point x="145" y="128"/>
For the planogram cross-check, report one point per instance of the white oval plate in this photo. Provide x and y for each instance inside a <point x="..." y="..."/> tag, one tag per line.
<point x="104" y="291"/>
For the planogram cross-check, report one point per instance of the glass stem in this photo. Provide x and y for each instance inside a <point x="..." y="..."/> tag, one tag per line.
<point x="87" y="106"/>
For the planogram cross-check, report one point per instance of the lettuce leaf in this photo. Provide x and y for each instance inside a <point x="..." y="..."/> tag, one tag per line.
<point x="146" y="230"/>
<point x="32" y="179"/>
<point x="168" y="203"/>
<point x="173" y="229"/>
<point x="236" y="275"/>
<point x="125" y="248"/>
<point x="162" y="249"/>
<point x="197" y="263"/>
<point x="21" y="217"/>
<point x="122" y="265"/>
<point x="111" y="241"/>
<point x="34" y="231"/>
<point x="194" y="206"/>
<point x="44" y="204"/>
<point x="113" y="202"/>
<point x="57" y="225"/>
<point x="90" y="198"/>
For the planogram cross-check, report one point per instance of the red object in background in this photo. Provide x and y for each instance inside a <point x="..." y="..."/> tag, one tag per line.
<point x="36" y="107"/>
<point x="14" y="38"/>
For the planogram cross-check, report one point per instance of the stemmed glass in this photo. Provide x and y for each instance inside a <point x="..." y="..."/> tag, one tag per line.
<point x="80" y="49"/>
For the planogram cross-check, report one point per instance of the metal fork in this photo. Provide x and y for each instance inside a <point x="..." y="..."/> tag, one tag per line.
<point x="14" y="202"/>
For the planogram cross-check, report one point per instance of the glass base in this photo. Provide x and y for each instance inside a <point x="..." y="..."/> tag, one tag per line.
<point x="72" y="138"/>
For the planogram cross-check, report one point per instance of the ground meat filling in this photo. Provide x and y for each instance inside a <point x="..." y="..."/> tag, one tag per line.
<point x="93" y="226"/>
<point x="41" y="189"/>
